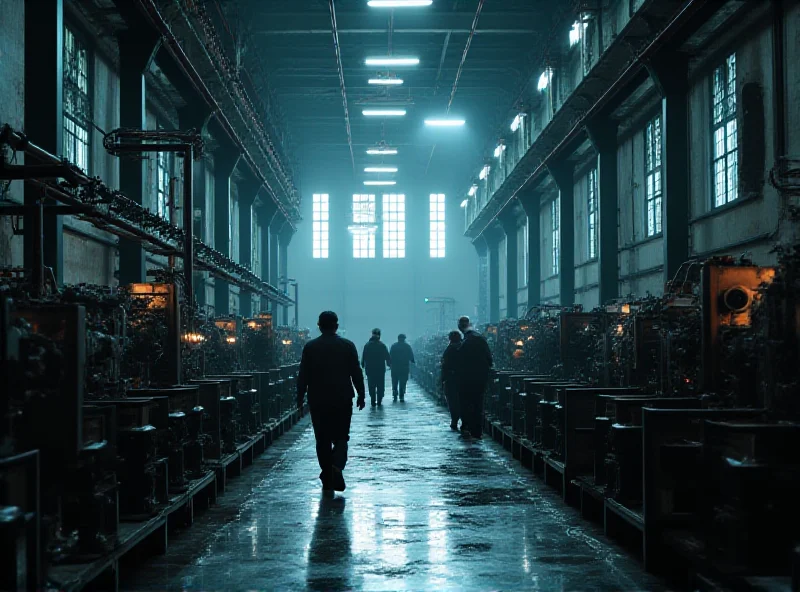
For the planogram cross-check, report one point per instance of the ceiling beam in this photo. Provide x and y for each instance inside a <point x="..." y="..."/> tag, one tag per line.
<point x="317" y="23"/>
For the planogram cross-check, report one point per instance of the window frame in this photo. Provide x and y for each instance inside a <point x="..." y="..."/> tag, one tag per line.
<point x="364" y="243"/>
<point x="592" y="215"/>
<point x="438" y="225"/>
<point x="71" y="123"/>
<point x="653" y="178"/>
<point x="724" y="113"/>
<point x="394" y="213"/>
<point x="320" y="229"/>
<point x="164" y="176"/>
<point x="555" y="229"/>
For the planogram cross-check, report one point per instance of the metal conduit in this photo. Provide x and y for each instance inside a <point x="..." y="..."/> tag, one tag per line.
<point x="335" y="32"/>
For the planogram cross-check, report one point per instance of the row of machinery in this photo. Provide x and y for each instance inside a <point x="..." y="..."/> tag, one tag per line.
<point x="678" y="412"/>
<point x="113" y="402"/>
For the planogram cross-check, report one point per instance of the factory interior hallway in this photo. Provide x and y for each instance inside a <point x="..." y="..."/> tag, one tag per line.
<point x="423" y="510"/>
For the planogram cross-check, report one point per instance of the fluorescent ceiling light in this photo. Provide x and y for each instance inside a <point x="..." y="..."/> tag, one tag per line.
<point x="473" y="190"/>
<point x="484" y="172"/>
<point x="499" y="150"/>
<point x="392" y="61"/>
<point x="384" y="112"/>
<point x="380" y="183"/>
<point x="444" y="122"/>
<point x="386" y="81"/>
<point x="382" y="151"/>
<point x="464" y="203"/>
<point x="398" y="3"/>
<point x="517" y="122"/>
<point x="380" y="170"/>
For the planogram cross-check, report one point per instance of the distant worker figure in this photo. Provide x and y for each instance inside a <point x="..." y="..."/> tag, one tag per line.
<point x="450" y="378"/>
<point x="374" y="361"/>
<point x="474" y="363"/>
<point x="402" y="357"/>
<point x="328" y="371"/>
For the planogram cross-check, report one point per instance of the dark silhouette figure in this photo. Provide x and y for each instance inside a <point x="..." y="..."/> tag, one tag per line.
<point x="450" y="378"/>
<point x="402" y="357"/>
<point x="474" y="363"/>
<point x="374" y="361"/>
<point x="328" y="371"/>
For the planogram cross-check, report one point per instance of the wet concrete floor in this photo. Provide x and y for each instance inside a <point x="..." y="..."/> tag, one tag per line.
<point x="423" y="510"/>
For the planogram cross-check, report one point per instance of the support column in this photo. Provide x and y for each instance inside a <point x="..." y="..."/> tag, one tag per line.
<point x="137" y="49"/>
<point x="482" y="248"/>
<point x="670" y="74"/>
<point x="248" y="191"/>
<point x="603" y="135"/>
<point x="225" y="162"/>
<point x="274" y="272"/>
<point x="44" y="99"/>
<point x="563" y="174"/>
<point x="265" y="216"/>
<point x="532" y="206"/>
<point x="284" y="239"/>
<point x="493" y="237"/>
<point x="508" y="221"/>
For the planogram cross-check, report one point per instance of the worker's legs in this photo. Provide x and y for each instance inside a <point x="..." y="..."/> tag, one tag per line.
<point x="372" y="384"/>
<point x="472" y="409"/>
<point x="381" y="384"/>
<point x="340" y="436"/>
<point x="403" y="378"/>
<point x="322" y="434"/>
<point x="451" y="392"/>
<point x="395" y="381"/>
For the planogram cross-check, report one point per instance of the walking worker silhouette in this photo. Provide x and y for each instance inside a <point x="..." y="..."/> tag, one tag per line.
<point x="402" y="357"/>
<point x="374" y="361"/>
<point x="328" y="372"/>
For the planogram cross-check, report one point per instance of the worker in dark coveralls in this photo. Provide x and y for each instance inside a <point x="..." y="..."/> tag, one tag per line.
<point x="474" y="363"/>
<point x="450" y="378"/>
<point x="328" y="371"/>
<point x="374" y="361"/>
<point x="402" y="357"/>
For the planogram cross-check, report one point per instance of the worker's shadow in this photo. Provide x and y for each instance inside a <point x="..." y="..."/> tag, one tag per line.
<point x="329" y="557"/>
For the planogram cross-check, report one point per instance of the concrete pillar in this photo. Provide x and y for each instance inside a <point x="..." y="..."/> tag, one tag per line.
<point x="137" y="49"/>
<point x="493" y="237"/>
<point x="265" y="216"/>
<point x="225" y="162"/>
<point x="274" y="272"/>
<point x="248" y="192"/>
<point x="508" y="222"/>
<point x="196" y="115"/>
<point x="482" y="248"/>
<point x="284" y="238"/>
<point x="603" y="135"/>
<point x="44" y="124"/>
<point x="532" y="206"/>
<point x="670" y="73"/>
<point x="563" y="174"/>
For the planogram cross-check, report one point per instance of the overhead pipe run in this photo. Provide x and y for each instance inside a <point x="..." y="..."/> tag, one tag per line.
<point x="170" y="42"/>
<point x="336" y="48"/>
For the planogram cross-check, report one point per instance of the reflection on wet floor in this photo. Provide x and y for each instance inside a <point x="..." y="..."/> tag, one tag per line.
<point x="423" y="510"/>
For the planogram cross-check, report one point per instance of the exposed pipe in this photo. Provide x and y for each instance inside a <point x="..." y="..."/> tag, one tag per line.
<point x="335" y="32"/>
<point x="184" y="63"/>
<point x="460" y="70"/>
<point x="441" y="61"/>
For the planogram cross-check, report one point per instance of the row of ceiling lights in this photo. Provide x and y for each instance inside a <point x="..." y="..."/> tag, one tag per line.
<point x="576" y="34"/>
<point x="383" y="149"/>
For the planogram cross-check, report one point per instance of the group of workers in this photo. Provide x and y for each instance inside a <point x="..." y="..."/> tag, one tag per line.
<point x="466" y="364"/>
<point x="329" y="369"/>
<point x="377" y="357"/>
